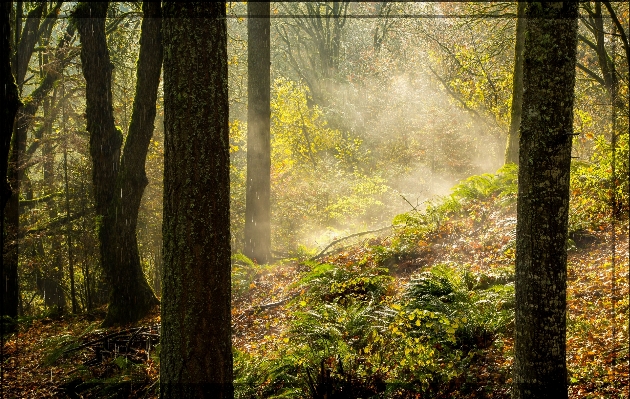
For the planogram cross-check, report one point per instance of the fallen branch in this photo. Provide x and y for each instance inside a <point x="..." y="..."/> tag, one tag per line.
<point x="337" y="241"/>
<point x="101" y="339"/>
<point x="260" y="308"/>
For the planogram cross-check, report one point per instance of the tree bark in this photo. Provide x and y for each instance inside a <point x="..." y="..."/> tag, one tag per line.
<point x="119" y="184"/>
<point x="257" y="203"/>
<point x="196" y="350"/>
<point x="9" y="107"/>
<point x="51" y="279"/>
<point x="511" y="152"/>
<point x="16" y="166"/>
<point x="26" y="45"/>
<point x="105" y="138"/>
<point x="129" y="285"/>
<point x="15" y="171"/>
<point x="543" y="200"/>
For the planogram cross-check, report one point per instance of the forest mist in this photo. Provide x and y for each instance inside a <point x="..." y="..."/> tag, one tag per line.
<point x="410" y="113"/>
<point x="371" y="147"/>
<point x="411" y="140"/>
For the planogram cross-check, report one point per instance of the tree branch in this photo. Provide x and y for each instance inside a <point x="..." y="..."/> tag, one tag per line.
<point x="335" y="242"/>
<point x="622" y="32"/>
<point x="35" y="201"/>
<point x="54" y="224"/>
<point x="591" y="74"/>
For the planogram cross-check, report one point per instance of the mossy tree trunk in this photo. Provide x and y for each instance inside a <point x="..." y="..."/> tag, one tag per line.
<point x="17" y="157"/>
<point x="26" y="41"/>
<point x="257" y="203"/>
<point x="543" y="200"/>
<point x="9" y="107"/>
<point x="511" y="151"/>
<point x="196" y="349"/>
<point x="119" y="183"/>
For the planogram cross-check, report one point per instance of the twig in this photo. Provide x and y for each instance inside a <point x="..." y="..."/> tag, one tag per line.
<point x="415" y="208"/>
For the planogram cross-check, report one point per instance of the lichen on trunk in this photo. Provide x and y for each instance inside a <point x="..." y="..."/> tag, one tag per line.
<point x="543" y="201"/>
<point x="196" y="347"/>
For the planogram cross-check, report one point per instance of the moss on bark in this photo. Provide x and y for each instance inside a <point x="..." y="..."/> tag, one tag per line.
<point x="119" y="182"/>
<point x="196" y="349"/>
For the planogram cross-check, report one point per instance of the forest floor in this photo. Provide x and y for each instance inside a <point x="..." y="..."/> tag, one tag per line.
<point x="71" y="356"/>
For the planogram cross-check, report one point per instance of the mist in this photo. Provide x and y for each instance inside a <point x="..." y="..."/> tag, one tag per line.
<point x="412" y="118"/>
<point x="412" y="142"/>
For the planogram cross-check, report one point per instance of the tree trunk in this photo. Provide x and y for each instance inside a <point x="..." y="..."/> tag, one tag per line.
<point x="196" y="354"/>
<point x="26" y="45"/>
<point x="73" y="293"/>
<point x="130" y="285"/>
<point x="105" y="138"/>
<point x="257" y="204"/>
<point x="543" y="200"/>
<point x="119" y="184"/>
<point x="15" y="171"/>
<point x="9" y="107"/>
<point x="52" y="277"/>
<point x="511" y="152"/>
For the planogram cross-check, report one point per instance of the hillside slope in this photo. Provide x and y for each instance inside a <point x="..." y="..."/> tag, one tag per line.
<point x="424" y="310"/>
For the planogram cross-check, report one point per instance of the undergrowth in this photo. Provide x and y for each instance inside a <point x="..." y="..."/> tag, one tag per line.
<point x="358" y="325"/>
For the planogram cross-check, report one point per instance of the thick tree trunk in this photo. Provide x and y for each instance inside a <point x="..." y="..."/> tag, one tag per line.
<point x="105" y="138"/>
<point x="130" y="286"/>
<point x="118" y="185"/>
<point x="196" y="350"/>
<point x="511" y="151"/>
<point x="9" y="107"/>
<point x="257" y="206"/>
<point x="543" y="200"/>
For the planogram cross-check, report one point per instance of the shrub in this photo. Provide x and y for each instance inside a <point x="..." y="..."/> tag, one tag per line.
<point x="332" y="283"/>
<point x="244" y="272"/>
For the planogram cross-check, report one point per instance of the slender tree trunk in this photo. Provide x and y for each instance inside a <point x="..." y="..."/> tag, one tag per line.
<point x="52" y="277"/>
<point x="15" y="176"/>
<point x="119" y="183"/>
<point x="511" y="152"/>
<point x="196" y="349"/>
<point x="257" y="204"/>
<point x="9" y="107"/>
<point x="73" y="294"/>
<point x="543" y="200"/>
<point x="64" y="124"/>
<point x="26" y="45"/>
<point x="15" y="171"/>
<point x="86" y="263"/>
